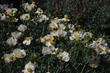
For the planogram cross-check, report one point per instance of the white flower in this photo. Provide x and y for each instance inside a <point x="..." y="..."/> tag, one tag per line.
<point x="39" y="11"/>
<point x="65" y="18"/>
<point x="27" y="41"/>
<point x="9" y="58"/>
<point x="56" y="24"/>
<point x="25" y="17"/>
<point x="93" y="65"/>
<point x="55" y="20"/>
<point x="14" y="20"/>
<point x="42" y="18"/>
<point x="53" y="25"/>
<point x="76" y="35"/>
<point x="47" y="40"/>
<point x="108" y="50"/>
<point x="16" y="34"/>
<point x="101" y="49"/>
<point x="59" y="33"/>
<point x="71" y="28"/>
<point x="98" y="42"/>
<point x="48" y="43"/>
<point x="19" y="53"/>
<point x="62" y="26"/>
<point x="49" y="50"/>
<point x="100" y="46"/>
<point x="28" y="7"/>
<point x="2" y="17"/>
<point x="29" y="68"/>
<point x="22" y="27"/>
<point x="64" y="56"/>
<point x="11" y="41"/>
<point x="11" y="11"/>
<point x="63" y="33"/>
<point x="46" y="50"/>
<point x="87" y="35"/>
<point x="93" y="44"/>
<point x="101" y="41"/>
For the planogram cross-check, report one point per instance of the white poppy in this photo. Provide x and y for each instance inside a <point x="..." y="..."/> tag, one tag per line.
<point x="61" y="33"/>
<point x="22" y="27"/>
<point x="29" y="68"/>
<point x="39" y="11"/>
<point x="19" y="53"/>
<point x="11" y="41"/>
<point x="93" y="44"/>
<point x="76" y="35"/>
<point x="28" y="7"/>
<point x="2" y="17"/>
<point x="47" y="40"/>
<point x="49" y="50"/>
<point x="16" y="34"/>
<point x="87" y="35"/>
<point x="11" y="11"/>
<point x="27" y="41"/>
<point x="25" y="17"/>
<point x="42" y="18"/>
<point x="64" y="56"/>
<point x="101" y="50"/>
<point x="62" y="26"/>
<point x="9" y="58"/>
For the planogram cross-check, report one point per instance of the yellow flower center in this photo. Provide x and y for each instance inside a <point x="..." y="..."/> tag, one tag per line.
<point x="28" y="38"/>
<point x="50" y="39"/>
<point x="76" y="36"/>
<point x="18" y="53"/>
<point x="9" y="12"/>
<point x="101" y="49"/>
<point x="54" y="50"/>
<point x="62" y="55"/>
<point x="54" y="25"/>
<point x="33" y="2"/>
<point x="29" y="69"/>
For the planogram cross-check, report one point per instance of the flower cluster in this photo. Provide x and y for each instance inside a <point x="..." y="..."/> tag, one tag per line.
<point x="29" y="13"/>
<point x="100" y="46"/>
<point x="17" y="53"/>
<point x="12" y="41"/>
<point x="60" y="33"/>
<point x="57" y="28"/>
